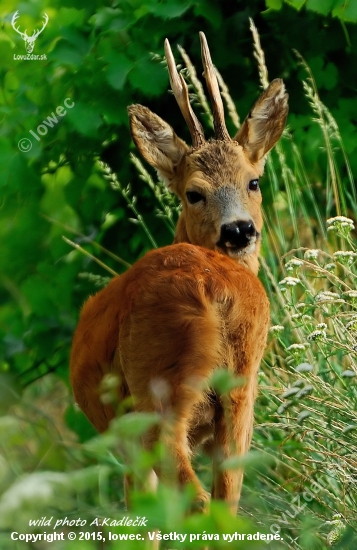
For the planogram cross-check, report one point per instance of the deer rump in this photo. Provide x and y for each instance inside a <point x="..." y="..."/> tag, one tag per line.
<point x="163" y="327"/>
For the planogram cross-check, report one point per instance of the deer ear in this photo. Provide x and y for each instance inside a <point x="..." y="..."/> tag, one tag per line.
<point x="265" y="123"/>
<point x="156" y="141"/>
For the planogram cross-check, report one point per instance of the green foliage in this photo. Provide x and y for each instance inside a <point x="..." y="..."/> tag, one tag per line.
<point x="99" y="57"/>
<point x="344" y="10"/>
<point x="74" y="181"/>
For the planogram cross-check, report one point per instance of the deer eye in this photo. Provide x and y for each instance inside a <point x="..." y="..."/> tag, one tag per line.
<point x="193" y="197"/>
<point x="253" y="185"/>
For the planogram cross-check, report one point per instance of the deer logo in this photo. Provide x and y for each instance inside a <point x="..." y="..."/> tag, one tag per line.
<point x="29" y="40"/>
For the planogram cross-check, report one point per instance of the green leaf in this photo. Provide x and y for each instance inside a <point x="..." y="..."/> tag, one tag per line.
<point x="253" y="459"/>
<point x="134" y="424"/>
<point x="330" y="76"/>
<point x="210" y="11"/>
<point x="274" y="4"/>
<point x="149" y="77"/>
<point x="79" y="424"/>
<point x="9" y="391"/>
<point x="11" y="82"/>
<point x="118" y="69"/>
<point x="297" y="4"/>
<point x="36" y="292"/>
<point x="66" y="54"/>
<point x="85" y="118"/>
<point x="320" y="6"/>
<point x="326" y="76"/>
<point x="224" y="381"/>
<point x="166" y="9"/>
<point x="70" y="16"/>
<point x="11" y="431"/>
<point x="104" y="17"/>
<point x="100" y="445"/>
<point x="346" y="10"/>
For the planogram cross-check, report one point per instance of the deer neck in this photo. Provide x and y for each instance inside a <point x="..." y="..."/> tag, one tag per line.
<point x="181" y="235"/>
<point x="250" y="262"/>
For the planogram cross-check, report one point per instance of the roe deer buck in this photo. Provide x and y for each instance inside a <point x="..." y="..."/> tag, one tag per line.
<point x="183" y="310"/>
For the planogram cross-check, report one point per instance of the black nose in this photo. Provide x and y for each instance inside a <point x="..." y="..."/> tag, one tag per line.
<point x="237" y="234"/>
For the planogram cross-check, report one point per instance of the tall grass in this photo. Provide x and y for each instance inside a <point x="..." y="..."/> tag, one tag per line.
<point x="301" y="475"/>
<point x="306" y="413"/>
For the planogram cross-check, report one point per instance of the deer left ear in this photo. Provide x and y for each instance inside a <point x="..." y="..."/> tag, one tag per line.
<point x="156" y="141"/>
<point x="265" y="123"/>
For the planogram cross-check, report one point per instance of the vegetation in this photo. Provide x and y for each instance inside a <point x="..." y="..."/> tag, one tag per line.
<point x="74" y="181"/>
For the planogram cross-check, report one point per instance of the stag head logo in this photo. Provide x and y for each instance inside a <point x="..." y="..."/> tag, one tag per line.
<point x="29" y="40"/>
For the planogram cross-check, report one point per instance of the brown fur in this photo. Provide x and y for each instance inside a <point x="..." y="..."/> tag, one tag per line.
<point x="182" y="311"/>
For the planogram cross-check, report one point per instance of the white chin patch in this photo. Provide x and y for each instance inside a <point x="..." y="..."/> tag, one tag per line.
<point x="241" y="252"/>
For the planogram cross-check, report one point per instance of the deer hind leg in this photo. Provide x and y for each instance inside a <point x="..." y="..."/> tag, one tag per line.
<point x="176" y="418"/>
<point x="86" y="385"/>
<point x="170" y="375"/>
<point x="233" y="427"/>
<point x="234" y="417"/>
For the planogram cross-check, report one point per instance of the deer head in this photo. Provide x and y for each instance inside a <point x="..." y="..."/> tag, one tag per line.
<point x="29" y="40"/>
<point x="217" y="181"/>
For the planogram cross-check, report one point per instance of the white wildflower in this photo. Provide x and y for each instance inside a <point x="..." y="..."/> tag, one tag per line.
<point x="276" y="328"/>
<point x="289" y="281"/>
<point x="326" y="296"/>
<point x="311" y="254"/>
<point x="300" y="305"/>
<point x="317" y="335"/>
<point x="306" y="317"/>
<point x="304" y="391"/>
<point x="302" y="416"/>
<point x="351" y="293"/>
<point x="292" y="264"/>
<point x="330" y="267"/>
<point x="321" y="326"/>
<point x="296" y="316"/>
<point x="344" y="257"/>
<point x="352" y="325"/>
<point x="297" y="347"/>
<point x="296" y="262"/>
<point x="304" y="367"/>
<point x="289" y="392"/>
<point x="348" y="373"/>
<point x="339" y="222"/>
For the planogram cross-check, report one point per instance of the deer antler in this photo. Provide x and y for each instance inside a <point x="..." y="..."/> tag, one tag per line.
<point x="180" y="90"/>
<point x="13" y="21"/>
<point x="220" y="129"/>
<point x="36" y="33"/>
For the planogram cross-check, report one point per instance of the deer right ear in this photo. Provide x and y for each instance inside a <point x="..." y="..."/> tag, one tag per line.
<point x="265" y="123"/>
<point x="156" y="141"/>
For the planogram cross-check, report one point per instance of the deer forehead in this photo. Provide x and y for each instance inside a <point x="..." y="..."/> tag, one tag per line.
<point x="219" y="164"/>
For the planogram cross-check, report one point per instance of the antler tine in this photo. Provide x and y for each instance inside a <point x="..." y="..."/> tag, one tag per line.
<point x="13" y="21"/>
<point x="180" y="90"/>
<point x="36" y="33"/>
<point x="213" y="88"/>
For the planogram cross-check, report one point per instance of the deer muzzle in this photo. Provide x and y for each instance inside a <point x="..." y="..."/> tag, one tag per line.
<point x="238" y="235"/>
